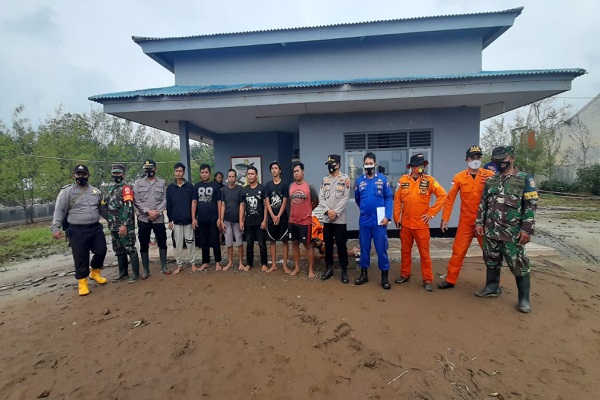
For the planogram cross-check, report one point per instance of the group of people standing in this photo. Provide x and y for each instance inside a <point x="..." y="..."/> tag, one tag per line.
<point x="497" y="208"/>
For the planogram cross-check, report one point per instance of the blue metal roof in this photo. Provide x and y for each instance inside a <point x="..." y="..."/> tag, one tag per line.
<point x="247" y="87"/>
<point x="518" y="10"/>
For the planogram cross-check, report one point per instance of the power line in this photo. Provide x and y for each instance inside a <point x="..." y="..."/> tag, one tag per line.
<point x="95" y="161"/>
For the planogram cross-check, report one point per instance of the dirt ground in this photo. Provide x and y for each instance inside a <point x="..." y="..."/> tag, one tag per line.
<point x="233" y="335"/>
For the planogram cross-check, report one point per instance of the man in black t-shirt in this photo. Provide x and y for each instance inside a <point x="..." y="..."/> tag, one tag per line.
<point x="277" y="217"/>
<point x="230" y="219"/>
<point x="253" y="219"/>
<point x="206" y="210"/>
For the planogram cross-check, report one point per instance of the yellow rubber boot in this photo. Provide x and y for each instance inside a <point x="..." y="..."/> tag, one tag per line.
<point x="95" y="275"/>
<point x="83" y="287"/>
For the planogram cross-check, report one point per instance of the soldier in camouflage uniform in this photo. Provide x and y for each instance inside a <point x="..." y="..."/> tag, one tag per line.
<point x="506" y="218"/>
<point x="121" y="222"/>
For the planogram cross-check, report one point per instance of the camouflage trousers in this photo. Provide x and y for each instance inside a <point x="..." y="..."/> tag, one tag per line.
<point x="123" y="244"/>
<point x="514" y="254"/>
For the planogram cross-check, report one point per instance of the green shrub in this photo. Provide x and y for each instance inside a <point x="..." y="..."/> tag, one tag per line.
<point x="558" y="186"/>
<point x="588" y="179"/>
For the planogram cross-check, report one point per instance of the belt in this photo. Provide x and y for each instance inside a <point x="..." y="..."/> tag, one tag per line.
<point x="84" y="226"/>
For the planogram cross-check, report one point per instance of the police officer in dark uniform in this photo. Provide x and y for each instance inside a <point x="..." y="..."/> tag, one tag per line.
<point x="79" y="204"/>
<point x="121" y="222"/>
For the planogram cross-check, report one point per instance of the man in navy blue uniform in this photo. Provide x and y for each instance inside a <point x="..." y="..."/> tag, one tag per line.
<point x="375" y="199"/>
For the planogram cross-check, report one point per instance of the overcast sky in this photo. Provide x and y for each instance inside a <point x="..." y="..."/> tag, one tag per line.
<point x="61" y="52"/>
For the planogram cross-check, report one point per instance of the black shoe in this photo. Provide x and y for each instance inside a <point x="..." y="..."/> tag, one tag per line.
<point x="384" y="280"/>
<point x="402" y="279"/>
<point x="445" y="285"/>
<point x="363" y="278"/>
<point x="344" y="276"/>
<point x="327" y="274"/>
<point x="523" y="284"/>
<point x="428" y="287"/>
<point x="492" y="283"/>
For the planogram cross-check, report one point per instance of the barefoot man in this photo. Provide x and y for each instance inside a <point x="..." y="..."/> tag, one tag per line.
<point x="231" y="207"/>
<point x="304" y="198"/>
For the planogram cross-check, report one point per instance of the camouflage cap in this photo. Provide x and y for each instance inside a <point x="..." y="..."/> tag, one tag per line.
<point x="117" y="168"/>
<point x="502" y="152"/>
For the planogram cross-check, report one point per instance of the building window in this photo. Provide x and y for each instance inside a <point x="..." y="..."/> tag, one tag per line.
<point x="393" y="151"/>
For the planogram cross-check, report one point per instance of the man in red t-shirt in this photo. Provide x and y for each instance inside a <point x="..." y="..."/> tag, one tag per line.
<point x="303" y="199"/>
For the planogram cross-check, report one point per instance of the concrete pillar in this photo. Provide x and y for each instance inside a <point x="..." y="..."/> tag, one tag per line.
<point x="184" y="148"/>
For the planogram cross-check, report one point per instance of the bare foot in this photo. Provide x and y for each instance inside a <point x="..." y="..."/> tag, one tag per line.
<point x="311" y="275"/>
<point x="203" y="267"/>
<point x="194" y="268"/>
<point x="218" y="267"/>
<point x="241" y="267"/>
<point x="177" y="270"/>
<point x="273" y="268"/>
<point x="244" y="268"/>
<point x="286" y="269"/>
<point x="263" y="268"/>
<point x="294" y="272"/>
<point x="225" y="268"/>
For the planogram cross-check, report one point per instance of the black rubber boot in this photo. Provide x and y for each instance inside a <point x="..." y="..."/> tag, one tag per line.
<point x="492" y="283"/>
<point x="327" y="274"/>
<point x="523" y="284"/>
<point x="344" y="275"/>
<point x="135" y="267"/>
<point x="384" y="280"/>
<point x="363" y="278"/>
<point x="122" y="262"/>
<point x="145" y="265"/>
<point x="163" y="261"/>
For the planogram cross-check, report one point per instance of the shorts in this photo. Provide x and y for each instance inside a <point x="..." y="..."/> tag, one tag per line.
<point x="278" y="232"/>
<point x="300" y="233"/>
<point x="233" y="234"/>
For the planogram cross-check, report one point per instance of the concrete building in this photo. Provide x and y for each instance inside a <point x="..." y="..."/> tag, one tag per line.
<point x="579" y="132"/>
<point x="394" y="87"/>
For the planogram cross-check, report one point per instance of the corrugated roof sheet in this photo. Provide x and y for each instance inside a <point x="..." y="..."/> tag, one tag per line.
<point x="139" y="39"/>
<point x="213" y="89"/>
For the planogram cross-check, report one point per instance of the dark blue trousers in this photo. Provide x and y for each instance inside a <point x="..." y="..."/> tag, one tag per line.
<point x="379" y="236"/>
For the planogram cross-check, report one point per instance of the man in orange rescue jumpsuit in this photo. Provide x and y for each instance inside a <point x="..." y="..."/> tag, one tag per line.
<point x="412" y="214"/>
<point x="470" y="183"/>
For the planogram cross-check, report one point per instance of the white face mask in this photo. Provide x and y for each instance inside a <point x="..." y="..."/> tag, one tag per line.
<point x="475" y="164"/>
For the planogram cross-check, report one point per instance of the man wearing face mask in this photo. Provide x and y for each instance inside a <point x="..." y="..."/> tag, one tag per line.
<point x="470" y="184"/>
<point x="333" y="197"/>
<point x="375" y="200"/>
<point x="412" y="214"/>
<point x="121" y="223"/>
<point x="79" y="204"/>
<point x="506" y="220"/>
<point x="150" y="199"/>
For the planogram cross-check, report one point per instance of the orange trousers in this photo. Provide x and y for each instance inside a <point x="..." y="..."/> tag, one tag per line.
<point x="421" y="237"/>
<point x="464" y="236"/>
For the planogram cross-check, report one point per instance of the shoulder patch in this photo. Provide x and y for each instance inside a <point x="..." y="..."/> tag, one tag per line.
<point x="127" y="193"/>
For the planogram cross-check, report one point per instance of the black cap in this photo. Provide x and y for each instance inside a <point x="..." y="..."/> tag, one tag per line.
<point x="117" y="168"/>
<point x="149" y="164"/>
<point x="473" y="151"/>
<point x="81" y="168"/>
<point x="274" y="163"/>
<point x="416" y="160"/>
<point x="333" y="159"/>
<point x="502" y="152"/>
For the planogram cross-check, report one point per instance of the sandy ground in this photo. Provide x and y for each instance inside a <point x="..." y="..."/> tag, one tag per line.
<point x="231" y="335"/>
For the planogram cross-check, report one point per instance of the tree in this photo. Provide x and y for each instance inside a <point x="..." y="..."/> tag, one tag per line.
<point x="581" y="136"/>
<point x="534" y="133"/>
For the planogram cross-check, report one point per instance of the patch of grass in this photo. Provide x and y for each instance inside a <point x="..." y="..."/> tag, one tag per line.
<point x="580" y="215"/>
<point x="28" y="241"/>
<point x="551" y="200"/>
